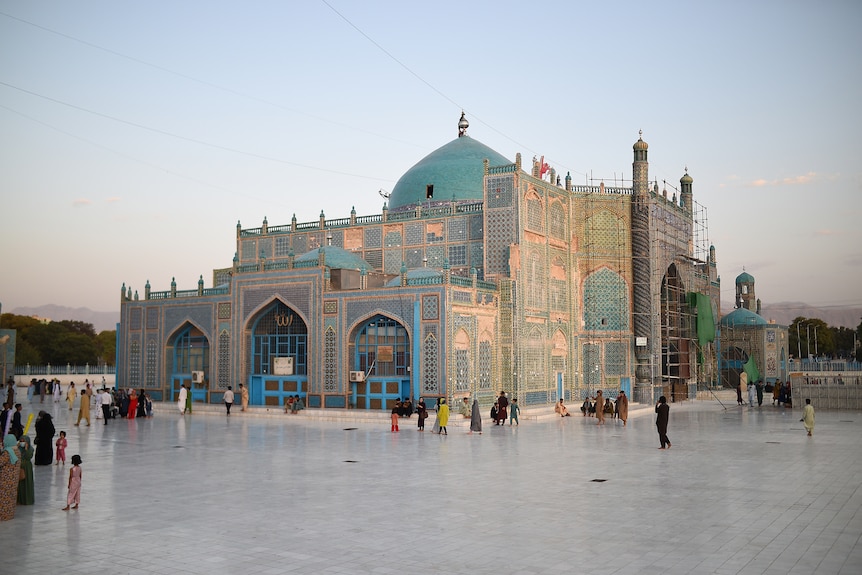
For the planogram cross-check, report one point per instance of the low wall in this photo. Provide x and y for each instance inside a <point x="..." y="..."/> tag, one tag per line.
<point x="828" y="396"/>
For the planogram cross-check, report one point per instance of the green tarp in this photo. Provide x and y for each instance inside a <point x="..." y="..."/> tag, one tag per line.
<point x="705" y="320"/>
<point x="750" y="369"/>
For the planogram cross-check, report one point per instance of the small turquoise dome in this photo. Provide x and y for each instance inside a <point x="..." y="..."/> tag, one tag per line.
<point x="745" y="278"/>
<point x="741" y="317"/>
<point x="456" y="170"/>
<point x="336" y="258"/>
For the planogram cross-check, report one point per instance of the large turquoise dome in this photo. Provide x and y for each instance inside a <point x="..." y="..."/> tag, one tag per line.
<point x="455" y="171"/>
<point x="742" y="317"/>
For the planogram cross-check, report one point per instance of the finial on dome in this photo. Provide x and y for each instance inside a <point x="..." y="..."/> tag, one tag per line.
<point x="463" y="124"/>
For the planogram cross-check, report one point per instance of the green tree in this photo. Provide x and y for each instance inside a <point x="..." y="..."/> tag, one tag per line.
<point x="106" y="346"/>
<point x="810" y="335"/>
<point x="843" y="337"/>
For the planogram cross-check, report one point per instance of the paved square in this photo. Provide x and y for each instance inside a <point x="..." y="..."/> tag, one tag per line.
<point x="741" y="491"/>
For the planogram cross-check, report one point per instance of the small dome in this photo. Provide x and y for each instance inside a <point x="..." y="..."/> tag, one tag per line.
<point x="745" y="278"/>
<point x="417" y="273"/>
<point x="741" y="317"/>
<point x="336" y="258"/>
<point x="686" y="179"/>
<point x="640" y="144"/>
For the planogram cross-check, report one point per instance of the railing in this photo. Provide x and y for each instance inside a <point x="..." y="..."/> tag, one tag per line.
<point x="67" y="369"/>
<point x="814" y="365"/>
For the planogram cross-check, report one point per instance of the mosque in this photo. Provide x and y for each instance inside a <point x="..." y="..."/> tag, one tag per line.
<point x="478" y="276"/>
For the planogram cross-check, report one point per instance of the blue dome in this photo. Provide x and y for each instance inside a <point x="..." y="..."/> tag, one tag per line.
<point x="741" y="317"/>
<point x="456" y="170"/>
<point x="745" y="278"/>
<point x="336" y="258"/>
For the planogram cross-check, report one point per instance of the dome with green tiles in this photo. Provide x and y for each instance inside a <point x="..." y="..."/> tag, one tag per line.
<point x="745" y="278"/>
<point x="742" y="317"/>
<point x="453" y="171"/>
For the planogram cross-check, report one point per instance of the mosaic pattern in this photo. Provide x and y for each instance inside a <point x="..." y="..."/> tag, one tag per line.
<point x="485" y="363"/>
<point x="330" y="361"/>
<point x="615" y="357"/>
<point x="458" y="230"/>
<point x="536" y="289"/>
<point x="413" y="258"/>
<point x="535" y="214"/>
<point x="604" y="234"/>
<point x="373" y="237"/>
<point x="393" y="239"/>
<point x="435" y="256"/>
<point x="282" y="246"/>
<point x="392" y="261"/>
<point x="430" y="307"/>
<point x="462" y="373"/>
<point x="335" y="238"/>
<point x="135" y="318"/>
<point x="357" y="309"/>
<point x="477" y="258"/>
<point x="152" y="362"/>
<point x="330" y="306"/>
<point x="222" y="277"/>
<point x="605" y="302"/>
<point x="500" y="236"/>
<point x="462" y="297"/>
<point x="477" y="227"/>
<point x="223" y="362"/>
<point x="135" y="364"/>
<point x="430" y="373"/>
<point x="499" y="192"/>
<point x="249" y="250"/>
<point x="533" y="374"/>
<point x="300" y="244"/>
<point x="414" y="234"/>
<point x="592" y="365"/>
<point x="557" y="213"/>
<point x="223" y="310"/>
<point x="199" y="314"/>
<point x="152" y="318"/>
<point x="558" y="292"/>
<point x="298" y="296"/>
<point x="458" y="255"/>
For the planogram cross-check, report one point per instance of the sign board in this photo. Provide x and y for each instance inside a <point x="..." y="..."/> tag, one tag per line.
<point x="385" y="353"/>
<point x="640" y="341"/>
<point x="282" y="366"/>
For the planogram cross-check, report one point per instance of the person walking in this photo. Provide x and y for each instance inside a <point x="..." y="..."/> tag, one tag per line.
<point x="443" y="414"/>
<point x="808" y="416"/>
<point x="105" y="403"/>
<point x="10" y="475"/>
<point x="599" y="400"/>
<point x="662" y="410"/>
<point x="623" y="407"/>
<point x="71" y="394"/>
<point x="243" y="396"/>
<point x="752" y="395"/>
<point x="45" y="431"/>
<point x="758" y="387"/>
<point x="181" y="399"/>
<point x="228" y="399"/>
<point x="84" y="407"/>
<point x="393" y="419"/>
<point x="75" y="475"/>
<point x="514" y="410"/>
<point x="502" y="409"/>
<point x="475" y="418"/>
<point x="133" y="404"/>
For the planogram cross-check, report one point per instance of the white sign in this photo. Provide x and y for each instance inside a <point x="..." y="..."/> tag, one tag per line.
<point x="282" y="366"/>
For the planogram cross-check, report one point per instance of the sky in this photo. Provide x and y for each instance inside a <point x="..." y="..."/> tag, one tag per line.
<point x="135" y="135"/>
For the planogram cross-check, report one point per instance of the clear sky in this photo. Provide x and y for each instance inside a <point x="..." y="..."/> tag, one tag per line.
<point x="134" y="135"/>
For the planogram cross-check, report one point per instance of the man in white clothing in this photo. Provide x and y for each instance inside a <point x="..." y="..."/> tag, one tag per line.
<point x="106" y="404"/>
<point x="228" y="399"/>
<point x="181" y="402"/>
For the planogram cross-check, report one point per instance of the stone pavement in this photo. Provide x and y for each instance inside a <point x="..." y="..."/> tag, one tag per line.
<point x="742" y="491"/>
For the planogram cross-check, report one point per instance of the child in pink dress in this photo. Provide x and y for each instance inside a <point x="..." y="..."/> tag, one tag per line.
<point x="74" y="483"/>
<point x="61" y="448"/>
<point x="394" y="419"/>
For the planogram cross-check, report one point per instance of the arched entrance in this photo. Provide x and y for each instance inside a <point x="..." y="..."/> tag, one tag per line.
<point x="190" y="363"/>
<point x="382" y="353"/>
<point x="279" y="356"/>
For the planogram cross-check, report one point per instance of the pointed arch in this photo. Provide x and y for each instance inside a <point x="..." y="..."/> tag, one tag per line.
<point x="606" y="301"/>
<point x="462" y="361"/>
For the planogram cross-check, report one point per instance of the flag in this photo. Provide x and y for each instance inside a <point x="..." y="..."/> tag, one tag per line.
<point x="750" y="369"/>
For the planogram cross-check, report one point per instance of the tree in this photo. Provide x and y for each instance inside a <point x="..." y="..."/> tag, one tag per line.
<point x="843" y="337"/>
<point x="810" y="336"/>
<point x="106" y="346"/>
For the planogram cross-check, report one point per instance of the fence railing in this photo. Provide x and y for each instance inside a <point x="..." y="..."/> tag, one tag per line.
<point x="67" y="369"/>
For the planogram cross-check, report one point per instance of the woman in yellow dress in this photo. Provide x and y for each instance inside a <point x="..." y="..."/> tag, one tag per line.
<point x="71" y="394"/>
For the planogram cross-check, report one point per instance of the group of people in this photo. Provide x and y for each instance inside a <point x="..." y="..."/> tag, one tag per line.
<point x="600" y="407"/>
<point x="781" y="393"/>
<point x="17" y="485"/>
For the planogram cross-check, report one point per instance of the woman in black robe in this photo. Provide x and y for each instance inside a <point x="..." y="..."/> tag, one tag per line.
<point x="44" y="439"/>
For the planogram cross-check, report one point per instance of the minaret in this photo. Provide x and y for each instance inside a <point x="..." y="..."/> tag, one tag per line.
<point x="745" y="292"/>
<point x="642" y="301"/>
<point x="686" y="200"/>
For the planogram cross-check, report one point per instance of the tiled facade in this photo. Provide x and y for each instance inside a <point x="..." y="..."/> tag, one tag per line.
<point x="528" y="288"/>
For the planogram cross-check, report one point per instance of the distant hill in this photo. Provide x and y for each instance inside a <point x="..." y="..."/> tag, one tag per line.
<point x="101" y="320"/>
<point x="785" y="312"/>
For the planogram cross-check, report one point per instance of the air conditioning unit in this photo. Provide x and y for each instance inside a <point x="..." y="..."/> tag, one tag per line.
<point x="197" y="377"/>
<point x="357" y="376"/>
